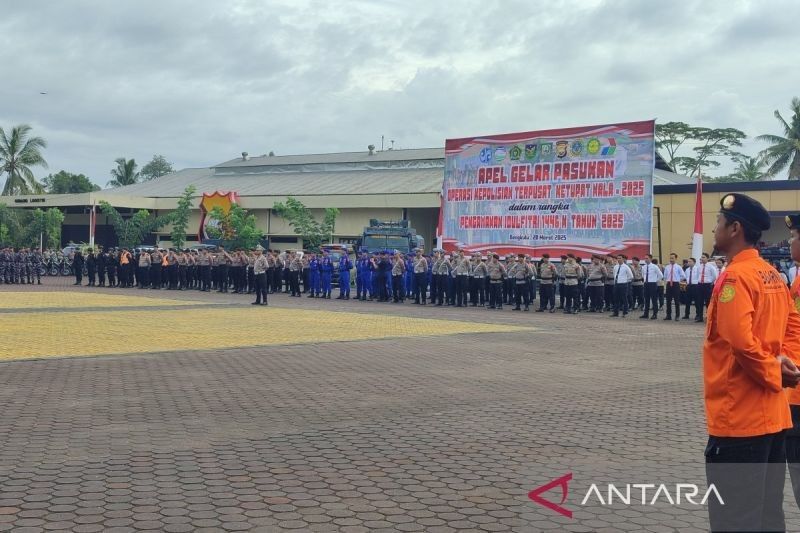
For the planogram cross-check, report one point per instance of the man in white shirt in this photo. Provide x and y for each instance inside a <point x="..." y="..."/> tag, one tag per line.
<point x="651" y="275"/>
<point x="707" y="275"/>
<point x="623" y="276"/>
<point x="693" y="297"/>
<point x="673" y="275"/>
<point x="792" y="273"/>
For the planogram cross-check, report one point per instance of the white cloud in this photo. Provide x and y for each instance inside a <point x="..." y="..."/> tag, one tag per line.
<point x="202" y="81"/>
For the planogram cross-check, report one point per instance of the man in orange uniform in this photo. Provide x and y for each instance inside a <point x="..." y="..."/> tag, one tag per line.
<point x="750" y="337"/>
<point x="793" y="435"/>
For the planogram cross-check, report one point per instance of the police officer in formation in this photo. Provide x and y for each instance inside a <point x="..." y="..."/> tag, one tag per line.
<point x="459" y="279"/>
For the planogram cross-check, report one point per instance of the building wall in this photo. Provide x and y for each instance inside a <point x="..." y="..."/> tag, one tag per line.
<point x="677" y="218"/>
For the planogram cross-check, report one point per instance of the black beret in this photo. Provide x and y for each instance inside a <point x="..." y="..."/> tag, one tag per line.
<point x="793" y="221"/>
<point x="746" y="210"/>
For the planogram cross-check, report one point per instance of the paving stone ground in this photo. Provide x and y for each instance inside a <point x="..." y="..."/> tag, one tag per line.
<point x="417" y="432"/>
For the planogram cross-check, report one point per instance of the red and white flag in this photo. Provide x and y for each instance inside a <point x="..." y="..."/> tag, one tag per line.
<point x="697" y="236"/>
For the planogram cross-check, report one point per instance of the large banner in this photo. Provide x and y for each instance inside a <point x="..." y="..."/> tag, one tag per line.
<point x="582" y="190"/>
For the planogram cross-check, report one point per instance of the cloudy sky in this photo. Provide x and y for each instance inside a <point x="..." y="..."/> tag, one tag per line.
<point x="201" y="81"/>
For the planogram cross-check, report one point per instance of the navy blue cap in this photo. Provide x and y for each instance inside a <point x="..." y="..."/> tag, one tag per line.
<point x="746" y="210"/>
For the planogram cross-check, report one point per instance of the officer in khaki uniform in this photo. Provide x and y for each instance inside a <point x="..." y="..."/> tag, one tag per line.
<point x="547" y="277"/>
<point x="144" y="269"/>
<point x="571" y="274"/>
<point x="520" y="272"/>
<point x="156" y="258"/>
<point x="595" y="277"/>
<point x="477" y="280"/>
<point x="420" y="265"/>
<point x="496" y="272"/>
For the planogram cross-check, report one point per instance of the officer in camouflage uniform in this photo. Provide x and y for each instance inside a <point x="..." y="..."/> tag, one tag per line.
<point x="4" y="262"/>
<point x="19" y="266"/>
<point x="29" y="265"/>
<point x="38" y="260"/>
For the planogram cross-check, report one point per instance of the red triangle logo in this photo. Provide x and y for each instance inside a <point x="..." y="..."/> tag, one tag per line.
<point x="563" y="482"/>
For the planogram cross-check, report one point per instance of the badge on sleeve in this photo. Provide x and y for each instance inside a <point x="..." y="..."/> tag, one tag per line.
<point x="727" y="293"/>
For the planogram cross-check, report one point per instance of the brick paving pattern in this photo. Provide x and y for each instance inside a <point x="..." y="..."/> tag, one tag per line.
<point x="430" y="433"/>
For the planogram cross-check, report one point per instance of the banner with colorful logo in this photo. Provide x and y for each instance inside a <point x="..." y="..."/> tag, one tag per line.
<point x="585" y="191"/>
<point x="223" y="200"/>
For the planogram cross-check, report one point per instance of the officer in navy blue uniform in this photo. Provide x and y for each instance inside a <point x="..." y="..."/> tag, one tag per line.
<point x="344" y="277"/>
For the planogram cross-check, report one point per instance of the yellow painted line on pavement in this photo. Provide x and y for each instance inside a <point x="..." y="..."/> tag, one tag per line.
<point x="65" y="334"/>
<point x="74" y="299"/>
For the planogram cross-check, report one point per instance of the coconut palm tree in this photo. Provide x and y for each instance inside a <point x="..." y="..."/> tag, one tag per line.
<point x="785" y="151"/>
<point x="18" y="153"/>
<point x="748" y="169"/>
<point x="124" y="174"/>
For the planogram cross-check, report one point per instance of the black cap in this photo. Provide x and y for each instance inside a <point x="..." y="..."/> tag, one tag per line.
<point x="746" y="210"/>
<point x="793" y="221"/>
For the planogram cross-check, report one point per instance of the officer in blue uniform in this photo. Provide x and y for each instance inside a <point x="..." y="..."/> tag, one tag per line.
<point x="326" y="268"/>
<point x="313" y="277"/>
<point x="374" y="276"/>
<point x="344" y="277"/>
<point x="362" y="269"/>
<point x="409" y="276"/>
<point x="384" y="270"/>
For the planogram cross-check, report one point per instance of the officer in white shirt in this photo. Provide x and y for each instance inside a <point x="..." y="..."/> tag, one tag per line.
<point x="792" y="273"/>
<point x="693" y="296"/>
<point x="623" y="276"/>
<point x="707" y="275"/>
<point x="651" y="275"/>
<point x="673" y="276"/>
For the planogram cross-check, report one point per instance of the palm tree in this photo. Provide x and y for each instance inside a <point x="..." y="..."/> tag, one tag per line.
<point x="785" y="151"/>
<point x="18" y="153"/>
<point x="748" y="169"/>
<point x="125" y="173"/>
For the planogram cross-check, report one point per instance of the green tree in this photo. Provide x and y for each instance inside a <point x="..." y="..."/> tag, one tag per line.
<point x="64" y="182"/>
<point x="180" y="217"/>
<point x="747" y="169"/>
<point x="236" y="227"/>
<point x="132" y="231"/>
<point x="785" y="151"/>
<point x="671" y="136"/>
<point x="157" y="167"/>
<point x="18" y="153"/>
<point x="46" y="224"/>
<point x="124" y="174"/>
<point x="713" y="143"/>
<point x="11" y="226"/>
<point x="299" y="217"/>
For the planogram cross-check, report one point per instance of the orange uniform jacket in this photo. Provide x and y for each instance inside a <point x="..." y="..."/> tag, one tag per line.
<point x="751" y="320"/>
<point x="794" y="394"/>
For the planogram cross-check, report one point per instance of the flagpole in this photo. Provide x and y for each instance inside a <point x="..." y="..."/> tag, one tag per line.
<point x="697" y="236"/>
<point x="92" y="216"/>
